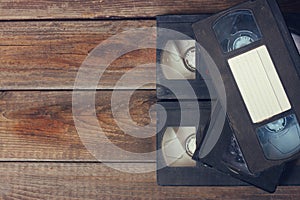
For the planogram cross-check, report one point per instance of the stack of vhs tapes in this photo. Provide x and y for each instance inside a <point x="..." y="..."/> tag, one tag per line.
<point x="229" y="102"/>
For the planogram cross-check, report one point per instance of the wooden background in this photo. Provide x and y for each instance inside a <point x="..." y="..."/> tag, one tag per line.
<point x="42" y="45"/>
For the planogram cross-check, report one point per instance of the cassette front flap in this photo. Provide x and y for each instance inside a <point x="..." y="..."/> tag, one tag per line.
<point x="257" y="59"/>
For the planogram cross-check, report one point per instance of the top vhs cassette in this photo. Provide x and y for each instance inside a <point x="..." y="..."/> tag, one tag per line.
<point x="259" y="65"/>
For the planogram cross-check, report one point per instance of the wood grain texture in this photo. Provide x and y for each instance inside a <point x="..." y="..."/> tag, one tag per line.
<point x="97" y="181"/>
<point x="47" y="55"/>
<point x="42" y="45"/>
<point x="105" y="9"/>
<point x="37" y="125"/>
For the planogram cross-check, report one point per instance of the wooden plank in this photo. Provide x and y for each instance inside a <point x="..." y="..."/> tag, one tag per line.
<point x="97" y="181"/>
<point x="91" y="9"/>
<point x="47" y="55"/>
<point x="37" y="125"/>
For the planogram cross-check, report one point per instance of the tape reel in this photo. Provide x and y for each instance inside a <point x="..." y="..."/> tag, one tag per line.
<point x="241" y="38"/>
<point x="281" y="138"/>
<point x="178" y="146"/>
<point x="180" y="57"/>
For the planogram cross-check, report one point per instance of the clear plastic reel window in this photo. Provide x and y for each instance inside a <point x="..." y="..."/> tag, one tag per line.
<point x="280" y="139"/>
<point x="178" y="146"/>
<point x="180" y="57"/>
<point x="236" y="30"/>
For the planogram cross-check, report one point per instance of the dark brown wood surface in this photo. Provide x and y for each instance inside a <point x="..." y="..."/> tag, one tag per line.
<point x="42" y="45"/>
<point x="47" y="55"/>
<point x="68" y="9"/>
<point x="98" y="181"/>
<point x="39" y="125"/>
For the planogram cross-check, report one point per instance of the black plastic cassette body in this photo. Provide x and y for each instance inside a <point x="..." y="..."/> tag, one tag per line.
<point x="178" y="58"/>
<point x="259" y="64"/>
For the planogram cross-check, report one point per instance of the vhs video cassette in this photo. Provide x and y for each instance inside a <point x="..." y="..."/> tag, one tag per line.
<point x="259" y="64"/>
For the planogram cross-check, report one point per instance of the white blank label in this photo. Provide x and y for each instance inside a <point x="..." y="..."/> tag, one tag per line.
<point x="259" y="84"/>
